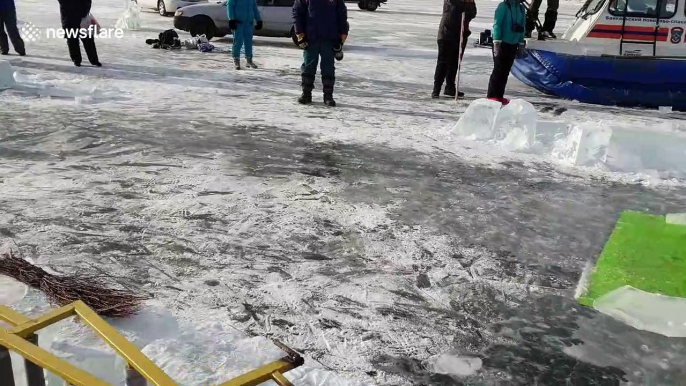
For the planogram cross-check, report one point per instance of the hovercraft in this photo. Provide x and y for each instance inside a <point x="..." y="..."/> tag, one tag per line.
<point x="614" y="54"/>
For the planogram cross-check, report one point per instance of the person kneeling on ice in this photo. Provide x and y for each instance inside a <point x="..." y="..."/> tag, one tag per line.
<point x="449" y="39"/>
<point x="508" y="41"/>
<point x="321" y="28"/>
<point x="243" y="17"/>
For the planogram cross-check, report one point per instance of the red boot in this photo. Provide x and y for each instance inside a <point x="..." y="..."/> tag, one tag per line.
<point x="504" y="101"/>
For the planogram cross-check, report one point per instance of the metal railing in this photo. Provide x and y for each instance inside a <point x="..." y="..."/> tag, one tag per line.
<point x="141" y="371"/>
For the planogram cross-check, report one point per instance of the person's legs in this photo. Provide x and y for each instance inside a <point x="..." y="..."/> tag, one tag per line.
<point x="237" y="45"/>
<point x="551" y="16"/>
<point x="532" y="16"/>
<point x="73" y="45"/>
<point x="441" y="68"/>
<point x="453" y="61"/>
<point x="328" y="68"/>
<point x="248" y="31"/>
<point x="91" y="51"/>
<point x="4" y="44"/>
<point x="308" y="71"/>
<point x="9" y="19"/>
<point x="501" y="70"/>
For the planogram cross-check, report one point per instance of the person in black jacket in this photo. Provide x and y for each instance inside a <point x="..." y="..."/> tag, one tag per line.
<point x="449" y="43"/>
<point x="72" y="13"/>
<point x="8" y="20"/>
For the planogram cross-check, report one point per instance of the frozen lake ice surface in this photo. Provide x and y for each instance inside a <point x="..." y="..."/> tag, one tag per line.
<point x="384" y="240"/>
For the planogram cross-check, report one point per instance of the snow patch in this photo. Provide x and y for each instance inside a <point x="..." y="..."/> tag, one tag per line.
<point x="457" y="365"/>
<point x="11" y="291"/>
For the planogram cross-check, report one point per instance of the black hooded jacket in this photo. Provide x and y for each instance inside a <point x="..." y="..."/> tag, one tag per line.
<point x="451" y="22"/>
<point x="73" y="11"/>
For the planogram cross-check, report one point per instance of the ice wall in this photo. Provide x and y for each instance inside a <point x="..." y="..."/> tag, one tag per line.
<point x="657" y="151"/>
<point x="656" y="313"/>
<point x="6" y="75"/>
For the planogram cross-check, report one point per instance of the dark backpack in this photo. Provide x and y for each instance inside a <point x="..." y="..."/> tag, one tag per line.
<point x="167" y="37"/>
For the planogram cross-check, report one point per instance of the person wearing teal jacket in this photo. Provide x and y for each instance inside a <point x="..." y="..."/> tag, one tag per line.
<point x="508" y="40"/>
<point x="242" y="17"/>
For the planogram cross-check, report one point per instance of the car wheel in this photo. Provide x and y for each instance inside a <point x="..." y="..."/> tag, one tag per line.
<point x="161" y="8"/>
<point x="202" y="25"/>
<point x="372" y="6"/>
<point x="362" y="5"/>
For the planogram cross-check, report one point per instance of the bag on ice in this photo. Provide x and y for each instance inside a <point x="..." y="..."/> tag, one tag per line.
<point x="205" y="47"/>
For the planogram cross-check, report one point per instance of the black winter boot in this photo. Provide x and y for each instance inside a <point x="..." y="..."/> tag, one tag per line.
<point x="549" y="23"/>
<point x="439" y="78"/>
<point x="436" y="93"/>
<point x="329" y="101"/>
<point x="305" y="98"/>
<point x="307" y="84"/>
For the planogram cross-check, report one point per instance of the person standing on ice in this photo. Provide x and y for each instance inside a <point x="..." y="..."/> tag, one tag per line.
<point x="321" y="28"/>
<point x="73" y="12"/>
<point x="550" y="18"/>
<point x="243" y="17"/>
<point x="508" y="41"/>
<point x="8" y="21"/>
<point x="449" y="44"/>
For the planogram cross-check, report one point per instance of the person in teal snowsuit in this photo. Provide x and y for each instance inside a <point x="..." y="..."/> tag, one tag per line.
<point x="242" y="17"/>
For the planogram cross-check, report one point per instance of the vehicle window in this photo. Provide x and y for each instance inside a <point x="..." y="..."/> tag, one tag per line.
<point x="644" y="8"/>
<point x="591" y="8"/>
<point x="281" y="3"/>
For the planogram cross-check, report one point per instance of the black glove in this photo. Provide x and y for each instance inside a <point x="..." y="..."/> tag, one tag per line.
<point x="233" y="25"/>
<point x="259" y="24"/>
<point x="302" y="41"/>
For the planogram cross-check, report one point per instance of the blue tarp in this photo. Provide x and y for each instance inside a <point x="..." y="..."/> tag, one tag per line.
<point x="605" y="80"/>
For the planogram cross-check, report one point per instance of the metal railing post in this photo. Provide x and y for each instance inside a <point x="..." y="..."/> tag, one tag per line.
<point x="34" y="373"/>
<point x="6" y="373"/>
<point x="134" y="378"/>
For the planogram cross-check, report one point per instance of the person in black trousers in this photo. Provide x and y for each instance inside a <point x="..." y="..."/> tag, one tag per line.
<point x="449" y="44"/>
<point x="550" y="18"/>
<point x="73" y="12"/>
<point x="508" y="40"/>
<point x="8" y="21"/>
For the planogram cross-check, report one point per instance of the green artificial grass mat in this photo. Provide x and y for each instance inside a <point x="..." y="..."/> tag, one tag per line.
<point x="644" y="252"/>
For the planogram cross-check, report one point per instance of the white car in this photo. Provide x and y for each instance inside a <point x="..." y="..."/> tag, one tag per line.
<point x="167" y="7"/>
<point x="211" y="19"/>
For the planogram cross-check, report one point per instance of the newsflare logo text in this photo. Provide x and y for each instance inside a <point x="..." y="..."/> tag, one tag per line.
<point x="31" y="33"/>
